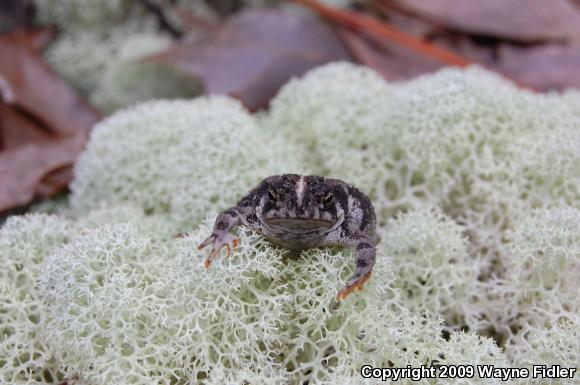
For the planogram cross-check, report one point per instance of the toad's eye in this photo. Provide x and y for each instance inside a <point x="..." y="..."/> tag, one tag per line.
<point x="327" y="199"/>
<point x="272" y="195"/>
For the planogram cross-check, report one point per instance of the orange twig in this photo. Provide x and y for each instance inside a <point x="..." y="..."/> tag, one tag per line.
<point x="381" y="30"/>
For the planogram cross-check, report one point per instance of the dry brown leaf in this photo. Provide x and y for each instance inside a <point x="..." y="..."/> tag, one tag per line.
<point x="36" y="39"/>
<point x="382" y="31"/>
<point x="54" y="182"/>
<point x="518" y="20"/>
<point x="254" y="53"/>
<point x="546" y="67"/>
<point x="23" y="169"/>
<point x="43" y="124"/>
<point x="467" y="46"/>
<point x="392" y="61"/>
<point x="17" y="128"/>
<point x="405" y="22"/>
<point x="39" y="91"/>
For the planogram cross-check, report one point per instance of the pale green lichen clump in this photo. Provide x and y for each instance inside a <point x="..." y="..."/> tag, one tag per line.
<point x="77" y="15"/>
<point x="96" y="288"/>
<point x="337" y="112"/>
<point x="428" y="251"/>
<point x="539" y="294"/>
<point x="127" y="309"/>
<point x="101" y="48"/>
<point x="572" y="97"/>
<point x="466" y="141"/>
<point x="482" y="178"/>
<point x="108" y="65"/>
<point x="188" y="159"/>
<point x="558" y="344"/>
<point x="24" y="243"/>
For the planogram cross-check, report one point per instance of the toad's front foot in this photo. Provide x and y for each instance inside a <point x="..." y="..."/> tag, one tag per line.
<point x="219" y="240"/>
<point x="356" y="284"/>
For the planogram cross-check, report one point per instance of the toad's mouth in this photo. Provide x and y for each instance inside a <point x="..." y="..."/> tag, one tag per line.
<point x="300" y="226"/>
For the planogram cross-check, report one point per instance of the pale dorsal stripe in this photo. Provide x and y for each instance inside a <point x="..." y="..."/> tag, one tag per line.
<point x="300" y="189"/>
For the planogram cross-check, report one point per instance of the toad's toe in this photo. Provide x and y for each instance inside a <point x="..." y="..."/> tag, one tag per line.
<point x="356" y="284"/>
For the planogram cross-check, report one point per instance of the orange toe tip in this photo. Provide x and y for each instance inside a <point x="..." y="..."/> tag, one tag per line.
<point x="360" y="284"/>
<point x="236" y="242"/>
<point x="344" y="293"/>
<point x="341" y="296"/>
<point x="207" y="263"/>
<point x="357" y="286"/>
<point x="364" y="279"/>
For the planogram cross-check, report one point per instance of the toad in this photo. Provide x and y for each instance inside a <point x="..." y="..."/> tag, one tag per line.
<point x="299" y="212"/>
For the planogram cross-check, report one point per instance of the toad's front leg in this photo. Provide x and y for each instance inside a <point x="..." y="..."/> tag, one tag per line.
<point x="365" y="249"/>
<point x="221" y="236"/>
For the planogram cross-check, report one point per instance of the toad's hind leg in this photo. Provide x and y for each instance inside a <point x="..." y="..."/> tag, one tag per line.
<point x="365" y="260"/>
